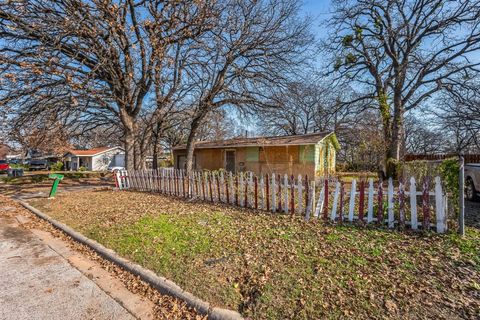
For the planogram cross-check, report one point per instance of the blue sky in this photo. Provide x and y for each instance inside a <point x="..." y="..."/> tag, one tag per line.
<point x="319" y="10"/>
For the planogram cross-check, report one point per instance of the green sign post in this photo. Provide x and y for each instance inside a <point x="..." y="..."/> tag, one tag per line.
<point x="57" y="178"/>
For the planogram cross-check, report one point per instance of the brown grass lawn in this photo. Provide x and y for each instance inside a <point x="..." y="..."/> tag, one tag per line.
<point x="273" y="267"/>
<point x="38" y="181"/>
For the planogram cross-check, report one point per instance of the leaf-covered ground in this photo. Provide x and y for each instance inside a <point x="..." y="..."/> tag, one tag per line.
<point x="165" y="307"/>
<point x="276" y="267"/>
<point x="38" y="182"/>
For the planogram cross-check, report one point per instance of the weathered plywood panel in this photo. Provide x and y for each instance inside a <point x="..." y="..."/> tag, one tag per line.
<point x="279" y="154"/>
<point x="210" y="159"/>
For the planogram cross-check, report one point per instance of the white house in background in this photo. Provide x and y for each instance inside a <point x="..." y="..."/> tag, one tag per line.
<point x="97" y="159"/>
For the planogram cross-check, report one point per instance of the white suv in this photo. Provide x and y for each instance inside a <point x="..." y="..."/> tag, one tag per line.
<point x="472" y="181"/>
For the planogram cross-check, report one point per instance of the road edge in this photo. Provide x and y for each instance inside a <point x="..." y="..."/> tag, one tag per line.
<point x="162" y="284"/>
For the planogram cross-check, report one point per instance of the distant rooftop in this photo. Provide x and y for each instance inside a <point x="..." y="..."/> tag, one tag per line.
<point x="302" y="139"/>
<point x="90" y="152"/>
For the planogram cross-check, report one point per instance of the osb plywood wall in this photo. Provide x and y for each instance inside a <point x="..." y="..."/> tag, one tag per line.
<point x="305" y="160"/>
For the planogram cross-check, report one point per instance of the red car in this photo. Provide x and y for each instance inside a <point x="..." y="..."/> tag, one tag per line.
<point x="4" y="165"/>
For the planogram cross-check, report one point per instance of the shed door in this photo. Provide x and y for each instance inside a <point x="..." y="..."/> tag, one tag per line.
<point x="181" y="162"/>
<point x="230" y="160"/>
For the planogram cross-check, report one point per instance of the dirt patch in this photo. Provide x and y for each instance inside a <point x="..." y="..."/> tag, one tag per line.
<point x="275" y="266"/>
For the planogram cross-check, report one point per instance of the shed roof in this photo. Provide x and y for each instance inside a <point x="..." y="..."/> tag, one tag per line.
<point x="303" y="139"/>
<point x="91" y="152"/>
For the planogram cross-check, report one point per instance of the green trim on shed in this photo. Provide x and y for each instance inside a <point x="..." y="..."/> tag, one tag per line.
<point x="253" y="154"/>
<point x="307" y="153"/>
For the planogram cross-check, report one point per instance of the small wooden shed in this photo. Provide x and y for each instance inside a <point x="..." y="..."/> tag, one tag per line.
<point x="309" y="154"/>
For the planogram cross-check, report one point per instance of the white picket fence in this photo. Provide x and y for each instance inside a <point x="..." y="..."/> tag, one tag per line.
<point x="365" y="202"/>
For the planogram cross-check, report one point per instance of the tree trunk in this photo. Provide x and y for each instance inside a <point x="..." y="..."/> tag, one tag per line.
<point x="129" y="149"/>
<point x="384" y="108"/>
<point x="191" y="143"/>
<point x="155" y="151"/>
<point x="190" y="150"/>
<point x="395" y="143"/>
<point x="128" y="122"/>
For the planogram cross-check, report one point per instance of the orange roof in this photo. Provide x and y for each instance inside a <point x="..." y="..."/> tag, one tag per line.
<point x="90" y="152"/>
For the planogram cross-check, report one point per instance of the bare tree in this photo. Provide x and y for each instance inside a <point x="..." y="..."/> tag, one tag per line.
<point x="305" y="106"/>
<point x="101" y="55"/>
<point x="251" y="49"/>
<point x="401" y="52"/>
<point x="423" y="138"/>
<point x="458" y="112"/>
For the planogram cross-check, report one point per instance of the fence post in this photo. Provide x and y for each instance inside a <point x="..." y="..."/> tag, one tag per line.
<point x="426" y="204"/>
<point x="342" y="202"/>
<point x="307" y="192"/>
<point x="370" y="201"/>
<point x="170" y="182"/>
<point x="391" y="217"/>
<point x="236" y="189"/>
<point x="300" y="194"/>
<point x="118" y="180"/>
<point x="335" y="201"/>
<point x="413" y="204"/>
<point x="255" y="183"/>
<point x="245" y="189"/>
<point x="202" y="184"/>
<point x="262" y="193"/>
<point x="222" y="185"/>
<point x="219" y="194"/>
<point x="361" y="201"/>
<point x="286" y="190"/>
<point x="292" y="195"/>
<point x="461" y="199"/>
<point x="401" y="203"/>
<point x="380" y="203"/>
<point x="267" y="187"/>
<point x="439" y="206"/>
<point x="325" y="201"/>
<point x="230" y="186"/>
<point x="351" y="206"/>
<point x="274" y="194"/>
<point x="279" y="209"/>
<point x="320" y="203"/>
<point x="311" y="197"/>
<point x="210" y="177"/>
<point x="240" y="189"/>
<point x="250" y="189"/>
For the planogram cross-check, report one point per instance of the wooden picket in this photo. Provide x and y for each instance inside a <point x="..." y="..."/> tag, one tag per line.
<point x="334" y="201"/>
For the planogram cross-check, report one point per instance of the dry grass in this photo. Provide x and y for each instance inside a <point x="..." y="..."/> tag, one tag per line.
<point x="272" y="267"/>
<point x="166" y="307"/>
<point x="39" y="182"/>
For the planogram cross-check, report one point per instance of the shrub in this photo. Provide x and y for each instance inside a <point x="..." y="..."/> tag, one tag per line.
<point x="449" y="172"/>
<point x="82" y="168"/>
<point x="165" y="163"/>
<point x="58" y="166"/>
